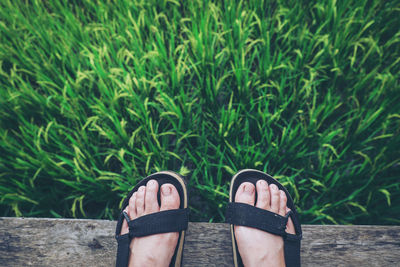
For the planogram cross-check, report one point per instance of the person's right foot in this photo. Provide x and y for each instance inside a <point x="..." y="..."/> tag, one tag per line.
<point x="256" y="247"/>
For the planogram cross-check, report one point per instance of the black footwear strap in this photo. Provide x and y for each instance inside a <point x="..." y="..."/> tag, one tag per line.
<point x="166" y="221"/>
<point x="251" y="216"/>
<point x="123" y="250"/>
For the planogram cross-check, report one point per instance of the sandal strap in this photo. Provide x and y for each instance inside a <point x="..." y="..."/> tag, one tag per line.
<point x="166" y="221"/>
<point x="123" y="250"/>
<point x="251" y="216"/>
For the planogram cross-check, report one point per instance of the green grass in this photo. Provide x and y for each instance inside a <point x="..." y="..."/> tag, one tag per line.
<point x="95" y="95"/>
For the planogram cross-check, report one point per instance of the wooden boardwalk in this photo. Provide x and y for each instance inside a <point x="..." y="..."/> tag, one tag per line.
<point x="69" y="242"/>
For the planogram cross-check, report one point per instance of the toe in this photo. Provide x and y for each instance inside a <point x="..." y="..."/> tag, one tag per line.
<point x="140" y="200"/>
<point x="274" y="191"/>
<point x="132" y="207"/>
<point x="290" y="226"/>
<point x="150" y="201"/>
<point x="263" y="198"/>
<point x="169" y="197"/>
<point x="245" y="193"/>
<point x="282" y="203"/>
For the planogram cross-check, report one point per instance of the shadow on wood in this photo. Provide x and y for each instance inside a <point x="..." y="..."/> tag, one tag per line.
<point x="68" y="242"/>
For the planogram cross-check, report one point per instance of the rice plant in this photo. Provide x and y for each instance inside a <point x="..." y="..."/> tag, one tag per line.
<point x="95" y="95"/>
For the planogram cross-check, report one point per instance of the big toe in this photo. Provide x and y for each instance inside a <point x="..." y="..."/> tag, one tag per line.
<point x="245" y="193"/>
<point x="169" y="197"/>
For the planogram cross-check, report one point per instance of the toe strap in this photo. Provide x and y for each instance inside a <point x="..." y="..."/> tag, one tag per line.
<point x="160" y="222"/>
<point x="250" y="216"/>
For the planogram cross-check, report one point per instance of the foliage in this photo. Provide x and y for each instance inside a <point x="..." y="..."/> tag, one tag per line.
<point x="96" y="95"/>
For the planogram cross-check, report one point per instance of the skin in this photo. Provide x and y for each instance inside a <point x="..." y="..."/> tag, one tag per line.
<point x="256" y="248"/>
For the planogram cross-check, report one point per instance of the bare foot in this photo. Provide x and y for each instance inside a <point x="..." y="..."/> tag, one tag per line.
<point x="152" y="250"/>
<point x="256" y="247"/>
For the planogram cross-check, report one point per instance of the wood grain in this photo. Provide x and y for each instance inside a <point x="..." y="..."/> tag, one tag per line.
<point x="68" y="242"/>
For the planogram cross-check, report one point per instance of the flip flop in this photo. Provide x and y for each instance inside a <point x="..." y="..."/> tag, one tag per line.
<point x="175" y="220"/>
<point x="251" y="216"/>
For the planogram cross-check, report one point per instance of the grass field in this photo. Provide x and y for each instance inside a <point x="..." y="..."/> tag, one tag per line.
<point x="95" y="95"/>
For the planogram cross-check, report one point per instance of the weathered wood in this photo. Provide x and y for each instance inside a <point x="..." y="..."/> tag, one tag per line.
<point x="65" y="242"/>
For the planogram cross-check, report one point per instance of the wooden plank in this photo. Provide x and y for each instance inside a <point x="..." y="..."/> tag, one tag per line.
<point x="68" y="242"/>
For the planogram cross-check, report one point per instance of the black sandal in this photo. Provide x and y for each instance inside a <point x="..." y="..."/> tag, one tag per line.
<point x="251" y="216"/>
<point x="160" y="222"/>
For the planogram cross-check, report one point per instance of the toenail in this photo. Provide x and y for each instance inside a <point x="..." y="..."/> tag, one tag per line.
<point x="141" y="189"/>
<point x="274" y="187"/>
<point x="151" y="183"/>
<point x="248" y="188"/>
<point x="166" y="190"/>
<point x="262" y="183"/>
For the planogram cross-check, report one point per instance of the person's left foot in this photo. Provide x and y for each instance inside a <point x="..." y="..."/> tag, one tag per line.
<point x="153" y="250"/>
